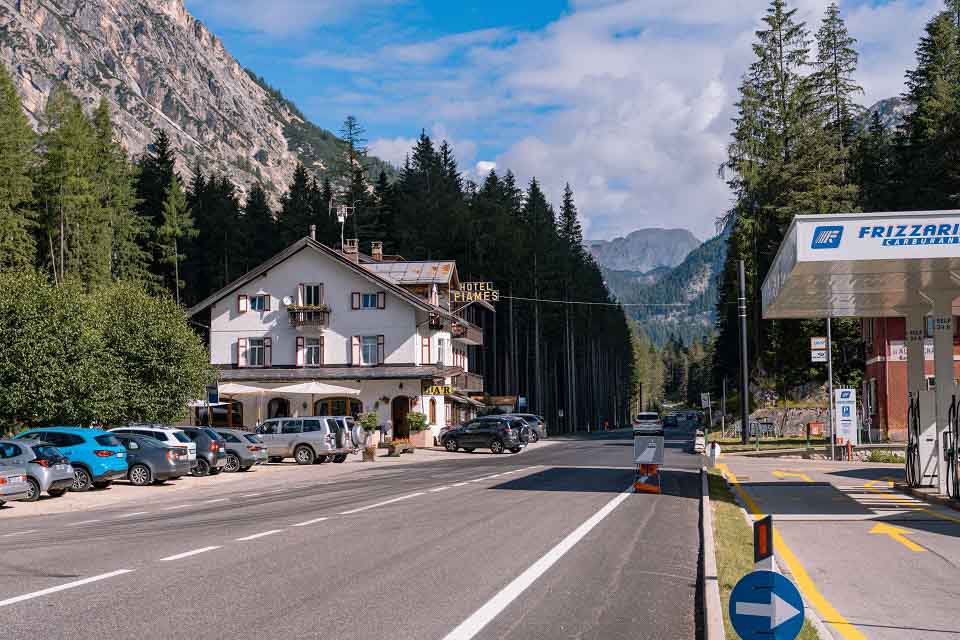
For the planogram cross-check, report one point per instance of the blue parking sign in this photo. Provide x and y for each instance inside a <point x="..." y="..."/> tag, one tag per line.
<point x="766" y="605"/>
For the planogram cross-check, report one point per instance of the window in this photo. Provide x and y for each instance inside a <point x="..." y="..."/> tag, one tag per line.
<point x="291" y="426"/>
<point x="368" y="350"/>
<point x="433" y="411"/>
<point x="267" y="428"/>
<point x="8" y="450"/>
<point x="313" y="352"/>
<point x="441" y="350"/>
<point x="313" y="295"/>
<point x="312" y="425"/>
<point x="107" y="440"/>
<point x="337" y="407"/>
<point x="425" y="350"/>
<point x="255" y="352"/>
<point x="368" y="301"/>
<point x="229" y="437"/>
<point x="260" y="302"/>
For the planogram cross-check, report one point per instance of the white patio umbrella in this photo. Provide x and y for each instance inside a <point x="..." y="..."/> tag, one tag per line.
<point x="230" y="389"/>
<point x="314" y="388"/>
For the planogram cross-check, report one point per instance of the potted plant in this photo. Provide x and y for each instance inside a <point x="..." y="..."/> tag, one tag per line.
<point x="370" y="423"/>
<point x="398" y="446"/>
<point x="420" y="434"/>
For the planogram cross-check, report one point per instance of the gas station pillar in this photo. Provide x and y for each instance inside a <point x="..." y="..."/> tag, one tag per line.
<point x="945" y="389"/>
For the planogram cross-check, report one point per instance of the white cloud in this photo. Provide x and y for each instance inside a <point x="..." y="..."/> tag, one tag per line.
<point x="393" y="150"/>
<point x="628" y="100"/>
<point x="279" y="17"/>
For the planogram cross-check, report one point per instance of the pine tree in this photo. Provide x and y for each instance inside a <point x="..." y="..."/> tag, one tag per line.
<point x="835" y="85"/>
<point x="353" y="170"/>
<point x="570" y="231"/>
<point x="17" y="162"/>
<point x="297" y="208"/>
<point x="156" y="173"/>
<point x="176" y="229"/>
<point x="129" y="258"/>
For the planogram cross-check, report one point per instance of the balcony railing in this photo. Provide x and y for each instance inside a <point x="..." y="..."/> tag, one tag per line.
<point x="308" y="316"/>
<point x="468" y="382"/>
<point x="468" y="333"/>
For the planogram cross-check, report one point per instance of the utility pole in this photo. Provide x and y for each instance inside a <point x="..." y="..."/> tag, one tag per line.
<point x="723" y="409"/>
<point x="833" y="439"/>
<point x="744" y="372"/>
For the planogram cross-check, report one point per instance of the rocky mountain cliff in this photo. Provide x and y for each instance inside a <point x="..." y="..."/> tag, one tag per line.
<point x="159" y="67"/>
<point x="892" y="112"/>
<point x="644" y="250"/>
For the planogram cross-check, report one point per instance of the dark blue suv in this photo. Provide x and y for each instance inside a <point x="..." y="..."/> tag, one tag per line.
<point x="97" y="456"/>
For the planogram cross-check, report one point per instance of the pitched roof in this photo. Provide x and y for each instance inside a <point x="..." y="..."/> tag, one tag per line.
<point x="307" y="243"/>
<point x="408" y="273"/>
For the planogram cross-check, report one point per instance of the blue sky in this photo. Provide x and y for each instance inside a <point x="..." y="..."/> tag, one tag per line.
<point x="628" y="100"/>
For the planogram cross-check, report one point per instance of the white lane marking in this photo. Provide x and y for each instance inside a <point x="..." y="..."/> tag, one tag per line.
<point x="309" y="522"/>
<point x="177" y="506"/>
<point x="62" y="587"/>
<point x="262" y="534"/>
<point x="459" y="484"/>
<point x="251" y="495"/>
<point x="380" y="504"/>
<point x="18" y="533"/>
<point x="135" y="513"/>
<point x="482" y="616"/>
<point x="214" y="500"/>
<point x="187" y="554"/>
<point x="439" y="489"/>
<point x="77" y="524"/>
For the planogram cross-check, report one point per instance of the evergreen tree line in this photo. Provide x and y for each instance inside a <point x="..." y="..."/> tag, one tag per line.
<point x="796" y="148"/>
<point x="74" y="206"/>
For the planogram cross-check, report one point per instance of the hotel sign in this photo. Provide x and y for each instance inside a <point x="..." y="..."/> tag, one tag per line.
<point x="474" y="292"/>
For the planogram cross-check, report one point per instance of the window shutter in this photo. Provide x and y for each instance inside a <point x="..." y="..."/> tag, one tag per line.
<point x="354" y="300"/>
<point x="300" y="297"/>
<point x="267" y="352"/>
<point x="381" y="299"/>
<point x="243" y="303"/>
<point x="355" y="351"/>
<point x="323" y="358"/>
<point x="425" y="351"/>
<point x="266" y="302"/>
<point x="300" y="359"/>
<point x="242" y="352"/>
<point x="380" y="350"/>
<point x="321" y="294"/>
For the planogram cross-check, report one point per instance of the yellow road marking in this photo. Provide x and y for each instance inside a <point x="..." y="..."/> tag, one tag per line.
<point x="886" y="479"/>
<point x="912" y="502"/>
<point x="898" y="534"/>
<point x="809" y="590"/>
<point x="784" y="474"/>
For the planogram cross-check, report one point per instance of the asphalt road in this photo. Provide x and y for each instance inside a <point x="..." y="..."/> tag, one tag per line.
<point x="544" y="544"/>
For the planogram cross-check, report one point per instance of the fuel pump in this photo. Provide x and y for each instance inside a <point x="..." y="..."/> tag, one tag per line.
<point x="913" y="441"/>
<point x="922" y="464"/>
<point x="950" y="437"/>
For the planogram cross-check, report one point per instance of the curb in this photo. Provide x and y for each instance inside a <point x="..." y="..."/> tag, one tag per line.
<point x="932" y="498"/>
<point x="710" y="585"/>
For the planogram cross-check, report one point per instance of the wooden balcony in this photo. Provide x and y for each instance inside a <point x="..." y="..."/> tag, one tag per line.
<point x="308" y="316"/>
<point x="468" y="382"/>
<point x="467" y="333"/>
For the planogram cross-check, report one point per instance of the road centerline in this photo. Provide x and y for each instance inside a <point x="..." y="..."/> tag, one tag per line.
<point x="187" y="554"/>
<point x="63" y="587"/>
<point x="309" y="522"/>
<point x="262" y="534"/>
<point x="381" y="504"/>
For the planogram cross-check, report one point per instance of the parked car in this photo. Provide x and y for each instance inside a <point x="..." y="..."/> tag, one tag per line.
<point x="211" y="450"/>
<point x="670" y="420"/>
<point x="242" y="454"/>
<point x="170" y="436"/>
<point x="258" y="442"/>
<point x="699" y="442"/>
<point x="48" y="470"/>
<point x="13" y="483"/>
<point x="97" y="456"/>
<point x="310" y="440"/>
<point x="497" y="433"/>
<point x="538" y="427"/>
<point x="647" y="420"/>
<point x="150" y="460"/>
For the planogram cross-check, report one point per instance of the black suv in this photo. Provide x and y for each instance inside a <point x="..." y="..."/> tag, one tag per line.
<point x="497" y="433"/>
<point x="211" y="450"/>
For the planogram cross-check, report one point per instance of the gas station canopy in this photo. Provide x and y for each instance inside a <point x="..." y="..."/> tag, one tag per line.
<point x="863" y="264"/>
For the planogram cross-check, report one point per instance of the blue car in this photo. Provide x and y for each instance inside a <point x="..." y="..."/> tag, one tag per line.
<point x="97" y="457"/>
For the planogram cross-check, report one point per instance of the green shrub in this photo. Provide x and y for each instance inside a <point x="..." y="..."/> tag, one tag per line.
<point x="416" y="421"/>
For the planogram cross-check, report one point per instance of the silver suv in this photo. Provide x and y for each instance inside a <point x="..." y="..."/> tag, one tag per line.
<point x="311" y="440"/>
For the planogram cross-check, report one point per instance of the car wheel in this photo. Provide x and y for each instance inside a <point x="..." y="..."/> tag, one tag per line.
<point x="202" y="468"/>
<point x="516" y="449"/>
<point x="140" y="475"/>
<point x="34" y="493"/>
<point x="340" y="457"/>
<point x="215" y="470"/>
<point x="534" y="437"/>
<point x="304" y="455"/>
<point x="496" y="446"/>
<point x="81" y="480"/>
<point x="56" y="493"/>
<point x="451" y="445"/>
<point x="233" y="463"/>
<point x="469" y="449"/>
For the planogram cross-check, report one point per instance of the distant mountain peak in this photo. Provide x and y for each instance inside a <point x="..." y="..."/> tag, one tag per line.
<point x="644" y="250"/>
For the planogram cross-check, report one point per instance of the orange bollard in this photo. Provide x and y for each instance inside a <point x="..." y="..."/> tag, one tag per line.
<point x="647" y="479"/>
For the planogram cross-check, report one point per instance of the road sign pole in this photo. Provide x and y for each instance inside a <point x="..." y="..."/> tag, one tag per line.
<point x="833" y="455"/>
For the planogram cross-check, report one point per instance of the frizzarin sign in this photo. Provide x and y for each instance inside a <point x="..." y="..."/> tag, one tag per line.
<point x="893" y="235"/>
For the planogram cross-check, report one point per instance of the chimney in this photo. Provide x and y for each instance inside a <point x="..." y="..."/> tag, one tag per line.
<point x="351" y="249"/>
<point x="313" y="232"/>
<point x="376" y="251"/>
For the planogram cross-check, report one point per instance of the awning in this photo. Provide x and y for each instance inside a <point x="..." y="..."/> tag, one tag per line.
<point x="235" y="389"/>
<point x="315" y="388"/>
<point x="466" y="401"/>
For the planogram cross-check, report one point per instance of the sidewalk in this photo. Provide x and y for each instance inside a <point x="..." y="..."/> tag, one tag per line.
<point x="265" y="476"/>
<point x="873" y="562"/>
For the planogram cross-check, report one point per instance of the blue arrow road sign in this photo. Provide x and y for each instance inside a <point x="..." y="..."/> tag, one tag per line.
<point x="765" y="605"/>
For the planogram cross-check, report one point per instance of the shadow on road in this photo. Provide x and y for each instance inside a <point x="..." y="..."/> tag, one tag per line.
<point x="675" y="482"/>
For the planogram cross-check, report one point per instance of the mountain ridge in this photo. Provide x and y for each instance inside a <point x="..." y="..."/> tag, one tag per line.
<point x="644" y="250"/>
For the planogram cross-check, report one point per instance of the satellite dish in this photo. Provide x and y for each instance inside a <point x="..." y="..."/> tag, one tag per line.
<point x="287" y="300"/>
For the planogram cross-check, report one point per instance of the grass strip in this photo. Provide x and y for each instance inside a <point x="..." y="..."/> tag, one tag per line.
<point x="734" y="546"/>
